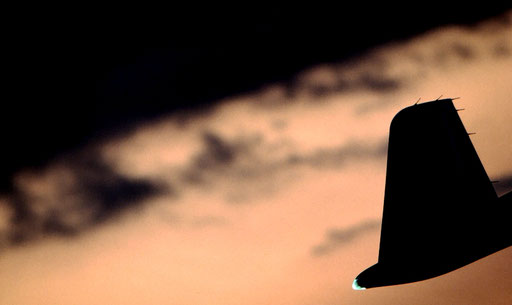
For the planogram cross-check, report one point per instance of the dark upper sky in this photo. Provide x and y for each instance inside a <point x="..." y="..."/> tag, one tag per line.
<point x="81" y="76"/>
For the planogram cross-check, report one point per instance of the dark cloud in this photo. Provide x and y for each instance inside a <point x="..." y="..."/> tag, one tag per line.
<point x="96" y="193"/>
<point x="110" y="191"/>
<point x="242" y="153"/>
<point x="337" y="238"/>
<point x="118" y="76"/>
<point x="463" y="51"/>
<point x="218" y="155"/>
<point x="502" y="49"/>
<point x="217" y="151"/>
<point x="445" y="54"/>
<point x="251" y="167"/>
<point x="379" y="83"/>
<point x="337" y="156"/>
<point x="375" y="80"/>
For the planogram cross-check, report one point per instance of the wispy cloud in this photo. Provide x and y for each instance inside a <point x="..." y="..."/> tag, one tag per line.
<point x="250" y="163"/>
<point x="244" y="151"/>
<point x="84" y="190"/>
<point x="337" y="238"/>
<point x="71" y="197"/>
<point x="400" y="66"/>
<point x="347" y="78"/>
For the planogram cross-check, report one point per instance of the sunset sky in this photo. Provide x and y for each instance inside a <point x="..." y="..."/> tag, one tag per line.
<point x="272" y="195"/>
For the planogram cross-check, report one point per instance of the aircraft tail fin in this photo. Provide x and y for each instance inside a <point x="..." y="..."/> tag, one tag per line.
<point x="440" y="209"/>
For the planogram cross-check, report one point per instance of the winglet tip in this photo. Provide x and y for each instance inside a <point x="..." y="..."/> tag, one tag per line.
<point x="355" y="285"/>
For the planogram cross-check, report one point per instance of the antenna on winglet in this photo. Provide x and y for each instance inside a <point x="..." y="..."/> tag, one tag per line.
<point x="439" y="97"/>
<point x="495" y="181"/>
<point x="471" y="133"/>
<point x="417" y="101"/>
<point x="455" y="98"/>
<point x="460" y="109"/>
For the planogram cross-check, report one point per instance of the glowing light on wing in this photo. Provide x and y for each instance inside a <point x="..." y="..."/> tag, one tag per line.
<point x="355" y="286"/>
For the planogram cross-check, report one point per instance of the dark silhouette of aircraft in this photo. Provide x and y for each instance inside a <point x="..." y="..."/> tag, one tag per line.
<point x="440" y="209"/>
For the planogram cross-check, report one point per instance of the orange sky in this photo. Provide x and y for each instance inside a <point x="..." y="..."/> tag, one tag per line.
<point x="249" y="192"/>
